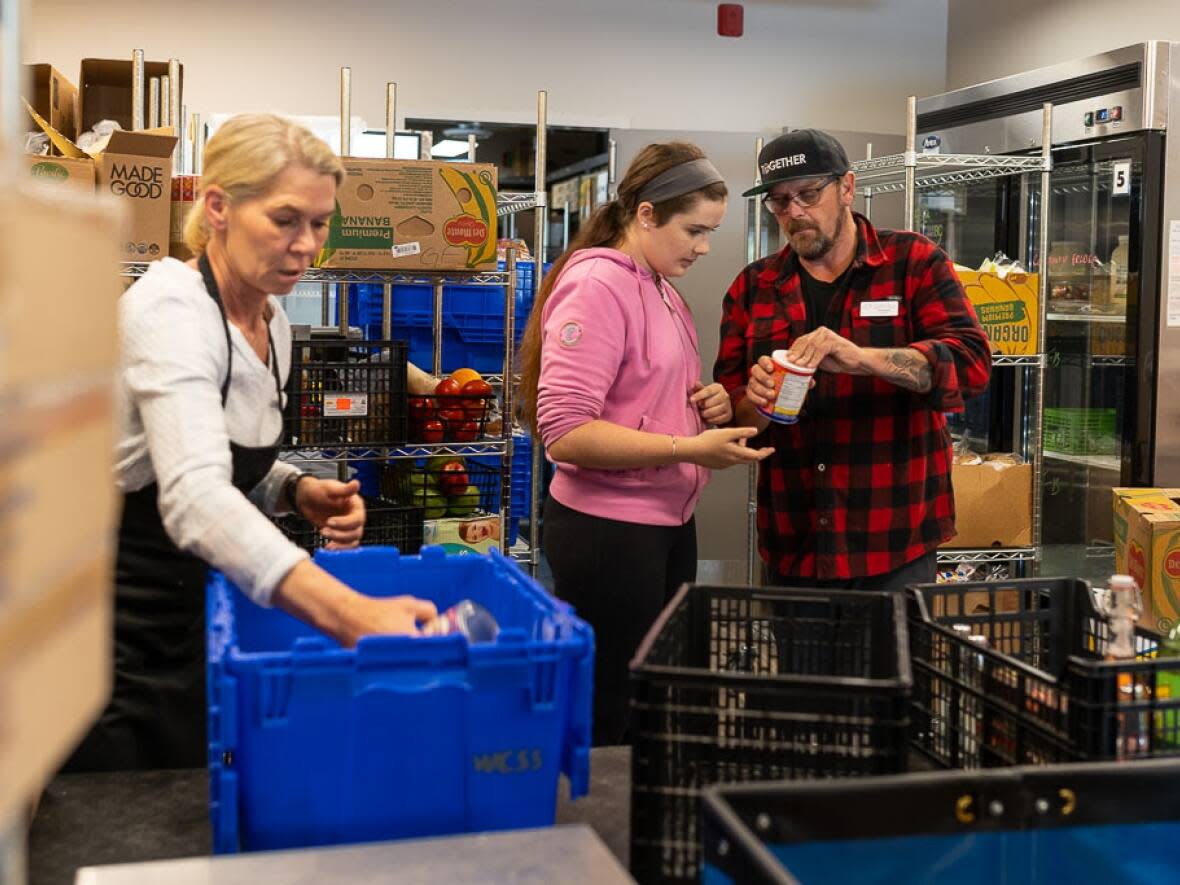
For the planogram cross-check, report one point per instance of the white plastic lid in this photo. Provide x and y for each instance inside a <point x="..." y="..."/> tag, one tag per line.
<point x="1123" y="582"/>
<point x="780" y="357"/>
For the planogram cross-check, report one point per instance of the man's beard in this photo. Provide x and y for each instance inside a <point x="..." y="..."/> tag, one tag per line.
<point x="818" y="245"/>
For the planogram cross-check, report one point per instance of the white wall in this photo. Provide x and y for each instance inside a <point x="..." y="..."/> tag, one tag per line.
<point x="993" y="38"/>
<point x="655" y="64"/>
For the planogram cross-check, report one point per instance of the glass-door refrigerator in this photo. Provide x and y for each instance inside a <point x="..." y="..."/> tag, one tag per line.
<point x="1111" y="401"/>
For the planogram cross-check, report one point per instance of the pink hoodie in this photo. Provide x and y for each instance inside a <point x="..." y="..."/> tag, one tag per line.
<point x="615" y="348"/>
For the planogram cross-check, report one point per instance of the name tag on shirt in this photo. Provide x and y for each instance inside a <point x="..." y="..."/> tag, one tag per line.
<point x="886" y="308"/>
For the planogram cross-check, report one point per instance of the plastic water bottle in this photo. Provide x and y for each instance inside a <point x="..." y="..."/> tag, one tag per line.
<point x="466" y="617"/>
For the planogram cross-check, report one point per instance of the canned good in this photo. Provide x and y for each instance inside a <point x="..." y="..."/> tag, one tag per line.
<point x="791" y="383"/>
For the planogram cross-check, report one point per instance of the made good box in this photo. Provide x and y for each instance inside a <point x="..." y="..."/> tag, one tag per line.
<point x="1147" y="547"/>
<point x="993" y="505"/>
<point x="314" y="744"/>
<point x="136" y="167"/>
<point x="1007" y="308"/>
<point x="413" y="215"/>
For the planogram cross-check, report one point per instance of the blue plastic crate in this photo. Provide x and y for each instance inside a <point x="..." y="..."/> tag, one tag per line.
<point x="521" y="482"/>
<point x="313" y="744"/>
<point x="1089" y="824"/>
<point x="473" y="319"/>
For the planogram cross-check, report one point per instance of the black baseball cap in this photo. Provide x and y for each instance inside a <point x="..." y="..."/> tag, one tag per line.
<point x="804" y="153"/>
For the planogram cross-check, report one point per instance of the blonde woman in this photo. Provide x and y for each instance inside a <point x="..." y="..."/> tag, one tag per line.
<point x="206" y="352"/>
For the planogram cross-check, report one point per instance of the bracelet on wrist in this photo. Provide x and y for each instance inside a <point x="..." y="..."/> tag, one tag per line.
<point x="291" y="488"/>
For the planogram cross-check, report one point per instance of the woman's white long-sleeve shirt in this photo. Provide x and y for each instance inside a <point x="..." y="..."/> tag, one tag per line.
<point x="175" y="432"/>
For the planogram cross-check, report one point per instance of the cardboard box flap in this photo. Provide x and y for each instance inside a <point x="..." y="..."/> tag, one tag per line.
<point x="1160" y="505"/>
<point x="148" y="143"/>
<point x="59" y="141"/>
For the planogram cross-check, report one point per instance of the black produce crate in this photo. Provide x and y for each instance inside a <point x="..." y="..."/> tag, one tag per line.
<point x="1040" y="691"/>
<point x="386" y="523"/>
<point x="1082" y="824"/>
<point x="346" y="394"/>
<point x="427" y="484"/>
<point x="739" y="684"/>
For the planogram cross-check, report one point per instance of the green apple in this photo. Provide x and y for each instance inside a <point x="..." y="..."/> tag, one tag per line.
<point x="434" y="504"/>
<point x="465" y="503"/>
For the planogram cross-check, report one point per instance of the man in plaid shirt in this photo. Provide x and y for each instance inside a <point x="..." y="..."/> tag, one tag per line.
<point x="858" y="492"/>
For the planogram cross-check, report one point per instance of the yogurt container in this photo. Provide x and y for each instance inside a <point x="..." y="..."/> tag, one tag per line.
<point x="791" y="383"/>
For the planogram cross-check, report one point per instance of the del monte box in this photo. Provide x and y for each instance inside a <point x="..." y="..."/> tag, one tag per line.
<point x="413" y="215"/>
<point x="1147" y="547"/>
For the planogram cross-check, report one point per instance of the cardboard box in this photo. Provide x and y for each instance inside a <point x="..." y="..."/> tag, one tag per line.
<point x="184" y="194"/>
<point x="74" y="173"/>
<point x="136" y="167"/>
<point x="476" y="534"/>
<point x="566" y="193"/>
<point x="993" y="505"/>
<point x="59" y="287"/>
<point x="1147" y="547"/>
<point x="53" y="97"/>
<point x="1007" y="309"/>
<point x="55" y="677"/>
<point x="413" y="215"/>
<point x="58" y="502"/>
<point x="104" y="90"/>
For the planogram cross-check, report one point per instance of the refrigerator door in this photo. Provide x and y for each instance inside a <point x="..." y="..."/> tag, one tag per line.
<point x="1104" y="211"/>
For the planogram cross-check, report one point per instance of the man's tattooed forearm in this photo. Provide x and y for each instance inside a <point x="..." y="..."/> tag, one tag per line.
<point x="908" y="369"/>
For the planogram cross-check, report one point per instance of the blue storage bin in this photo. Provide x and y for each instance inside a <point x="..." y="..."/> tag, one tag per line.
<point x="1088" y="824"/>
<point x="313" y="744"/>
<point x="521" y="481"/>
<point x="473" y="319"/>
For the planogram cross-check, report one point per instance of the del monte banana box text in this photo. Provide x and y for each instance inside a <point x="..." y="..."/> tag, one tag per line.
<point x="1006" y="307"/>
<point x="413" y="215"/>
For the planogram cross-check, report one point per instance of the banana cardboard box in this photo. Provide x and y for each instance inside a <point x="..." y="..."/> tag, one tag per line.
<point x="413" y="215"/>
<point x="1147" y="547"/>
<point x="1007" y="308"/>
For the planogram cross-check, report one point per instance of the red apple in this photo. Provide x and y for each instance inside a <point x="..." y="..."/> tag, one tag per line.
<point x="421" y="408"/>
<point x="452" y="480"/>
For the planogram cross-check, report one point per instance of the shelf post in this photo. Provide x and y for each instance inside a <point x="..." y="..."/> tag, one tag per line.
<point x="910" y="221"/>
<point x="869" y="190"/>
<point x="541" y="224"/>
<point x="390" y="138"/>
<point x="753" y="253"/>
<point x="1036" y="429"/>
<point x="509" y="403"/>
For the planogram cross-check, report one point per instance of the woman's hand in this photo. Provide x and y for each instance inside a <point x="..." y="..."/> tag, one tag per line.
<point x="721" y="447"/>
<point x="713" y="403"/>
<point x="317" y="598"/>
<point x="335" y="508"/>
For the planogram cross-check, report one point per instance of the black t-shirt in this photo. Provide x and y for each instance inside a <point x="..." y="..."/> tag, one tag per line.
<point x="818" y="296"/>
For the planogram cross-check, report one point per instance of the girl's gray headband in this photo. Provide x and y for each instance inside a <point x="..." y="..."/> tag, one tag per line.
<point x="680" y="180"/>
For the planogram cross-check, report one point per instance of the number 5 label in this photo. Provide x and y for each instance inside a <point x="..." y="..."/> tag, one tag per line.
<point x="1121" y="183"/>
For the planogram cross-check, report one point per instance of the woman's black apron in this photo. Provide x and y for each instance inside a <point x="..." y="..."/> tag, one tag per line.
<point x="156" y="716"/>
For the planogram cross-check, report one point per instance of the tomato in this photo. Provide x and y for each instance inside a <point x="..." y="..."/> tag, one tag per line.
<point x="466" y="431"/>
<point x="430" y="431"/>
<point x="421" y="408"/>
<point x="447" y="387"/>
<point x="452" y="417"/>
<point x="452" y="480"/>
<point x="475" y="397"/>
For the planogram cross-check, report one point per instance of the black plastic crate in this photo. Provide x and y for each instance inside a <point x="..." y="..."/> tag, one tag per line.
<point x="739" y="684"/>
<point x="1040" y="691"/>
<point x="1087" y="824"/>
<point x="346" y="394"/>
<point x="386" y="523"/>
<point x="439" y="490"/>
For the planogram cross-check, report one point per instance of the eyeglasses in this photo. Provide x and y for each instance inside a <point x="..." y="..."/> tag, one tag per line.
<point x="777" y="204"/>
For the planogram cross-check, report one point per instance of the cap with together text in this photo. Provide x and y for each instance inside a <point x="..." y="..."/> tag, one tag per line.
<point x="804" y="153"/>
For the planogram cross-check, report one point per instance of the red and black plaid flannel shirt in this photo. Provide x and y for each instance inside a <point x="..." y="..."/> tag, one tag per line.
<point x="861" y="485"/>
